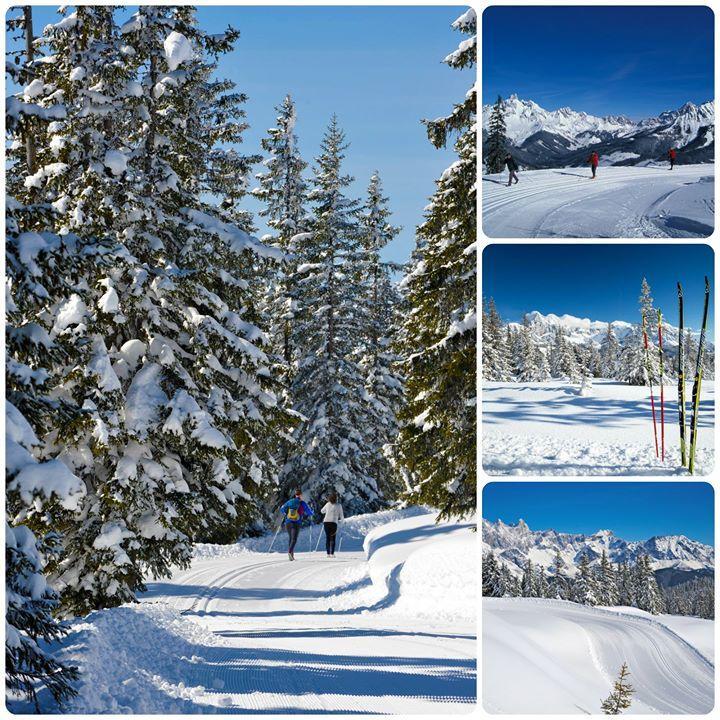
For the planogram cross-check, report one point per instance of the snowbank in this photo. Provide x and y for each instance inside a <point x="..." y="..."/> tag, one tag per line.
<point x="426" y="568"/>
<point x="132" y="659"/>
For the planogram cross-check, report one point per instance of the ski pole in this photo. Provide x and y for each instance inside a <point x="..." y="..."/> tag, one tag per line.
<point x="317" y="544"/>
<point x="681" y="379"/>
<point x="274" y="536"/>
<point x="697" y="384"/>
<point x="647" y="370"/>
<point x="662" y="388"/>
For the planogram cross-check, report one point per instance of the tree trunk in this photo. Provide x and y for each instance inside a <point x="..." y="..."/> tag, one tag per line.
<point x="30" y="154"/>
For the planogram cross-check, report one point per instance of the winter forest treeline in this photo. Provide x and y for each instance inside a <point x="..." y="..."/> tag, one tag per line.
<point x="513" y="354"/>
<point x="629" y="585"/>
<point x="170" y="377"/>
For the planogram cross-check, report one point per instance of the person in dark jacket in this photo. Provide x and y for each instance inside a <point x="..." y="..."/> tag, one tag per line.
<point x="672" y="154"/>
<point x="295" y="511"/>
<point x="594" y="159"/>
<point x="512" y="167"/>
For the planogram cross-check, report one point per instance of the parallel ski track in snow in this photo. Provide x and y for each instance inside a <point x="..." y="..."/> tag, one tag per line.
<point x="564" y="193"/>
<point x="668" y="673"/>
<point x="280" y="650"/>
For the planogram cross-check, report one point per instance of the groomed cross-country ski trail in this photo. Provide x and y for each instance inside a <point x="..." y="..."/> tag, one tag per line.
<point x="557" y="657"/>
<point x="653" y="202"/>
<point x="384" y="628"/>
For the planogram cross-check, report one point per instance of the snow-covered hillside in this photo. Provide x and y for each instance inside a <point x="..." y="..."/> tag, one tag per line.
<point x="549" y="428"/>
<point x="623" y="202"/>
<point x="514" y="544"/>
<point x="387" y="630"/>
<point x="555" y="657"/>
<point x="543" y="138"/>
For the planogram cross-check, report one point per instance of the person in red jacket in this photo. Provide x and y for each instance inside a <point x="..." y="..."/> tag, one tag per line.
<point x="672" y="154"/>
<point x="593" y="160"/>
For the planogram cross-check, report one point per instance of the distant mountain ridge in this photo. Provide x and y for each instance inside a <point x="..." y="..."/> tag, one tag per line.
<point x="514" y="544"/>
<point x="582" y="330"/>
<point x="559" y="138"/>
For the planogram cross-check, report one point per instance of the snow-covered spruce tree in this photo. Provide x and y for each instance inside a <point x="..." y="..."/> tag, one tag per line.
<point x="563" y="361"/>
<point x="495" y="359"/>
<point x="585" y="589"/>
<point x="647" y="593"/>
<point x="607" y="591"/>
<point x="633" y="361"/>
<point x="437" y="438"/>
<point x="528" y="583"/>
<point x="647" y="310"/>
<point x="625" y="589"/>
<point x="558" y="582"/>
<point x="283" y="192"/>
<point x="609" y="354"/>
<point x="379" y="302"/>
<point x="542" y="365"/>
<point x="541" y="583"/>
<point x="493" y="581"/>
<point x="334" y="445"/>
<point x="204" y="347"/>
<point x="496" y="142"/>
<point x="525" y="355"/>
<point x="620" y="697"/>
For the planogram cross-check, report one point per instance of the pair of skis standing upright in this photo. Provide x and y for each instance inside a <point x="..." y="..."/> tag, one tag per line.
<point x="687" y="458"/>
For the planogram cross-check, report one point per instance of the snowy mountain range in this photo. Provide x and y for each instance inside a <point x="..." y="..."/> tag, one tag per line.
<point x="582" y="330"/>
<point x="676" y="555"/>
<point x="560" y="138"/>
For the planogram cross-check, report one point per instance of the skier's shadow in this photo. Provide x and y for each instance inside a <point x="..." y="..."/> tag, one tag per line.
<point x="497" y="182"/>
<point x="584" y="177"/>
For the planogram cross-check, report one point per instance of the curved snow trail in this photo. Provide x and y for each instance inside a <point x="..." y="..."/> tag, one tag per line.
<point x="620" y="202"/>
<point x="281" y="647"/>
<point x="566" y="656"/>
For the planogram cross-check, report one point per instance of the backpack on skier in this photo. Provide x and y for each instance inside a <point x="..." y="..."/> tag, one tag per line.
<point x="294" y="510"/>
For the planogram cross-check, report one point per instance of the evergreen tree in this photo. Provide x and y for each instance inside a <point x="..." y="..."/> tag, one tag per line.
<point x="585" y="587"/>
<point x="525" y="355"/>
<point x="543" y="589"/>
<point x="528" y="582"/>
<point x="541" y="363"/>
<point x="437" y="439"/>
<point x="606" y="582"/>
<point x="620" y="698"/>
<point x="496" y="142"/>
<point x="558" y="582"/>
<point x="647" y="309"/>
<point x="333" y="445"/>
<point x="632" y="366"/>
<point x="626" y="594"/>
<point x="493" y="581"/>
<point x="645" y="587"/>
<point x="609" y="354"/>
<point x="496" y="364"/>
<point x="379" y="302"/>
<point x="283" y="192"/>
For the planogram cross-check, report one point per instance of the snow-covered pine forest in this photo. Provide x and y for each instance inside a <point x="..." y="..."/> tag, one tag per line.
<point x="630" y="584"/>
<point x="513" y="352"/>
<point x="170" y="376"/>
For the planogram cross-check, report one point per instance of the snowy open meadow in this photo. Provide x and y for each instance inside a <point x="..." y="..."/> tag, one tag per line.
<point x="622" y="202"/>
<point x="549" y="428"/>
<point x="556" y="657"/>
<point x="387" y="626"/>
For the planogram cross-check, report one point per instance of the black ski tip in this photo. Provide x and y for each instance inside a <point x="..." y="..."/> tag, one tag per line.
<point x="679" y="289"/>
<point x="707" y="284"/>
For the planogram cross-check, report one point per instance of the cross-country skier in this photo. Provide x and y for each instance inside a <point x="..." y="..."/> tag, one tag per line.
<point x="512" y="167"/>
<point x="333" y="514"/>
<point x="672" y="154"/>
<point x="294" y="510"/>
<point x="593" y="160"/>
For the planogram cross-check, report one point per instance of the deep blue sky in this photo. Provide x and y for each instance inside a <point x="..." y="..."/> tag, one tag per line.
<point x="600" y="282"/>
<point x="379" y="68"/>
<point x="636" y="61"/>
<point x="632" y="510"/>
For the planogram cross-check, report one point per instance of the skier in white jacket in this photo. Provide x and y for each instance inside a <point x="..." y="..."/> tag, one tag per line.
<point x="332" y="515"/>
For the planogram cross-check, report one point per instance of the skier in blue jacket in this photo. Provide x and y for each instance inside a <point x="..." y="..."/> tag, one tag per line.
<point x="295" y="511"/>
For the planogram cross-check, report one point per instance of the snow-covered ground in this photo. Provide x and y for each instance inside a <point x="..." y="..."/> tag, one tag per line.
<point x="554" y="657"/>
<point x="627" y="202"/>
<point x="549" y="429"/>
<point x="390" y="629"/>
